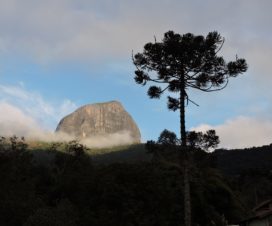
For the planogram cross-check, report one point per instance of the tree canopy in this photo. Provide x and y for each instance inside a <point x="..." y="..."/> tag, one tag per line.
<point x="185" y="61"/>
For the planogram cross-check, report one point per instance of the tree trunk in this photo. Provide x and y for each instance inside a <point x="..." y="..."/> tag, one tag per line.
<point x="182" y="118"/>
<point x="187" y="195"/>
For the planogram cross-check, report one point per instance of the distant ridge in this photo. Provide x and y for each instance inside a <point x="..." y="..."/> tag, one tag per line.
<point x="234" y="161"/>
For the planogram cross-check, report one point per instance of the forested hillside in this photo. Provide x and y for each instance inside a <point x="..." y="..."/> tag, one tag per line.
<point x="237" y="160"/>
<point x="69" y="188"/>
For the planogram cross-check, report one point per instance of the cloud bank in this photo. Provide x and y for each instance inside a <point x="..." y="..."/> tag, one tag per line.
<point x="27" y="113"/>
<point x="115" y="139"/>
<point x="81" y="30"/>
<point x="242" y="132"/>
<point x="14" y="121"/>
<point x="32" y="105"/>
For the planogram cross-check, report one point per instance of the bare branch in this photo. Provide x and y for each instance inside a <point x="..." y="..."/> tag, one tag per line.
<point x="220" y="47"/>
<point x="192" y="102"/>
<point x="165" y="89"/>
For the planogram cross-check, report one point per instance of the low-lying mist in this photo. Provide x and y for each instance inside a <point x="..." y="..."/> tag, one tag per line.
<point x="101" y="141"/>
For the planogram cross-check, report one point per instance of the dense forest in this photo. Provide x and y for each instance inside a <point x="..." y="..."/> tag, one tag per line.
<point x="64" y="184"/>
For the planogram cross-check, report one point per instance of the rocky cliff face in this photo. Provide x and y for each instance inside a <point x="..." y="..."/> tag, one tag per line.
<point x="97" y="120"/>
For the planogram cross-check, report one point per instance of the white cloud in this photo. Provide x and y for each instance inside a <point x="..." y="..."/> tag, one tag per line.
<point x="242" y="132"/>
<point x="14" y="92"/>
<point x="14" y="122"/>
<point x="65" y="29"/>
<point x="33" y="106"/>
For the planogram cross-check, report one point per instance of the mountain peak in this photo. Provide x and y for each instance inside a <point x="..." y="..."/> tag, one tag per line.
<point x="100" y="119"/>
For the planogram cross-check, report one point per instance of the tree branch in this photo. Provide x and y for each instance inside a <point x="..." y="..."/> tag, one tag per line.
<point x="223" y="41"/>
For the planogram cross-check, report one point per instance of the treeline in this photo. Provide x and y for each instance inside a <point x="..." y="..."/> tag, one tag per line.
<point x="250" y="171"/>
<point x="235" y="161"/>
<point x="71" y="190"/>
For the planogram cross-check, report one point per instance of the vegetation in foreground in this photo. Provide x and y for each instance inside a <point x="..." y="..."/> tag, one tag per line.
<point x="71" y="190"/>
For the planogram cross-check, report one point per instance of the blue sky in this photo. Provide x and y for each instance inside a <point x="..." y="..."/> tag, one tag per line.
<point x="58" y="55"/>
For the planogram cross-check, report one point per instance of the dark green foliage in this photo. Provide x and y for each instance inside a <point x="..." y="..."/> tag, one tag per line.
<point x="137" y="195"/>
<point x="14" y="144"/>
<point x="195" y="140"/>
<point x="17" y="190"/>
<point x="75" y="148"/>
<point x="70" y="191"/>
<point x="64" y="214"/>
<point x="168" y="138"/>
<point x="205" y="141"/>
<point x="238" y="160"/>
<point x="125" y="154"/>
<point x="250" y="170"/>
<point x="213" y="198"/>
<point x="185" y="61"/>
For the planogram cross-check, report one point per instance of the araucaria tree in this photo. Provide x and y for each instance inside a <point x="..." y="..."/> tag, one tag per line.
<point x="182" y="62"/>
<point x="178" y="63"/>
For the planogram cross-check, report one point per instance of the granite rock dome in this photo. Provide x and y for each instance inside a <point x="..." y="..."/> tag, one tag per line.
<point x="100" y="119"/>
